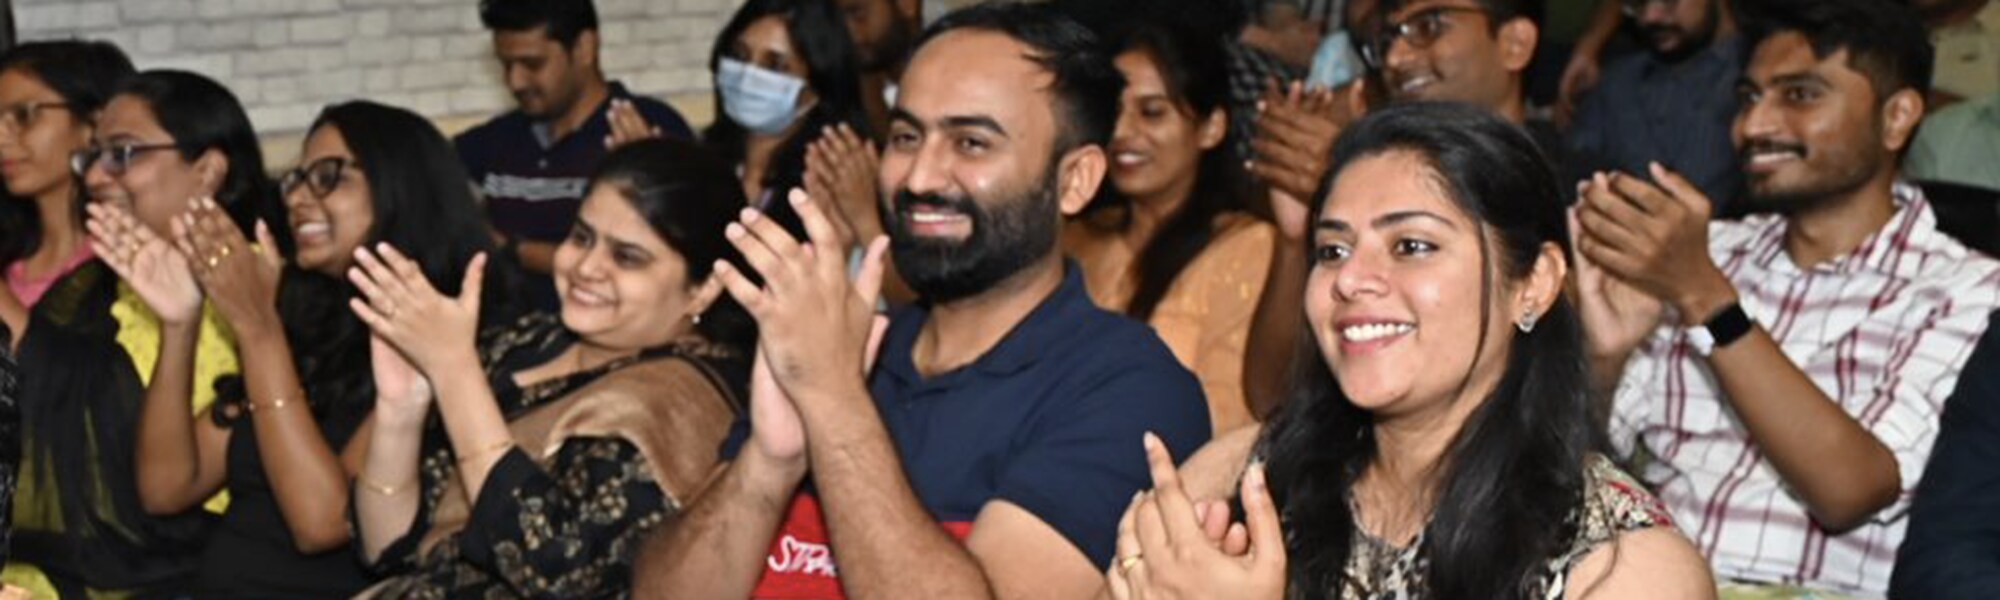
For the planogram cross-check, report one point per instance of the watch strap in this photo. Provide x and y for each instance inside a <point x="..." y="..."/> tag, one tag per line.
<point x="1728" y="325"/>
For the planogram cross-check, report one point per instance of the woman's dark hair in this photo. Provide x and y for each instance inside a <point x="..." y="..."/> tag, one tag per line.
<point x="85" y="74"/>
<point x="833" y="72"/>
<point x="423" y="207"/>
<point x="202" y="115"/>
<point x="688" y="195"/>
<point x="1197" y="81"/>
<point x="1515" y="473"/>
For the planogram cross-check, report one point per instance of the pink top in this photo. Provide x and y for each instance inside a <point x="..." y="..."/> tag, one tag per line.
<point x="30" y="289"/>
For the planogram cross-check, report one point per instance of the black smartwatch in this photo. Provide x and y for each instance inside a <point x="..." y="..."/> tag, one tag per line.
<point x="1727" y="326"/>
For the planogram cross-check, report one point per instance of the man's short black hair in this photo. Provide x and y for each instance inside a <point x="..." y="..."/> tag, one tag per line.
<point x="1884" y="41"/>
<point x="1086" y="85"/>
<point x="1499" y="12"/>
<point x="563" y="20"/>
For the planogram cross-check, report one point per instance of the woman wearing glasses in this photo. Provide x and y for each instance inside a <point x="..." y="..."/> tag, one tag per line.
<point x="87" y="343"/>
<point x="283" y="438"/>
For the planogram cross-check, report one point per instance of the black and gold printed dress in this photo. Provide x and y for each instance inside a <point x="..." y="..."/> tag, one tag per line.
<point x="603" y="456"/>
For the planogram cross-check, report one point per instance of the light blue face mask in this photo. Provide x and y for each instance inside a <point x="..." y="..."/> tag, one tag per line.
<point x="1335" y="63"/>
<point x="759" y="99"/>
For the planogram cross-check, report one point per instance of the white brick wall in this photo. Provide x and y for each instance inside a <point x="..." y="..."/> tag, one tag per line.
<point x="287" y="58"/>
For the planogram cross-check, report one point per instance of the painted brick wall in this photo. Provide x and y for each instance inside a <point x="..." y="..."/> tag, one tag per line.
<point x="287" y="58"/>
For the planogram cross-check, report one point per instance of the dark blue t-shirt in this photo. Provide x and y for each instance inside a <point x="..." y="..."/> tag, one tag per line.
<point x="533" y="185"/>
<point x="1049" y="420"/>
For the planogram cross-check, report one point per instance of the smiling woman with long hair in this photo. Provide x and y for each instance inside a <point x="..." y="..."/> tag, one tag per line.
<point x="1438" y="442"/>
<point x="280" y="437"/>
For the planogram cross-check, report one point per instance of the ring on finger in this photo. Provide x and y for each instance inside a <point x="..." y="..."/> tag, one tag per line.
<point x="1125" y="564"/>
<point x="214" y="260"/>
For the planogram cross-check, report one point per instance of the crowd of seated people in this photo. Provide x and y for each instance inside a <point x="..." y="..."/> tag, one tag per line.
<point x="1074" y="299"/>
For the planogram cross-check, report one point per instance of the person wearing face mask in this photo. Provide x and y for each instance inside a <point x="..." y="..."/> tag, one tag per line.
<point x="531" y="164"/>
<point x="1174" y="247"/>
<point x="785" y="72"/>
<point x="281" y="440"/>
<point x="96" y="347"/>
<point x="558" y="440"/>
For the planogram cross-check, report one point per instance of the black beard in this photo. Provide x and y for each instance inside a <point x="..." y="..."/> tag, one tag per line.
<point x="1016" y="233"/>
<point x="1801" y="198"/>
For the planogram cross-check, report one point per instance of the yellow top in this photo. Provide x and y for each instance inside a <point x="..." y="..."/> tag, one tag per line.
<point x="1205" y="316"/>
<point x="139" y="334"/>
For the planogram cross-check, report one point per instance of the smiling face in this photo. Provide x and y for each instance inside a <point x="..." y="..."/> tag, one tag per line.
<point x="327" y="228"/>
<point x="620" y="284"/>
<point x="158" y="184"/>
<point x="1812" y="129"/>
<point x="1466" y="58"/>
<point x="1394" y="295"/>
<point x="1159" y="141"/>
<point x="34" y="152"/>
<point x="975" y="191"/>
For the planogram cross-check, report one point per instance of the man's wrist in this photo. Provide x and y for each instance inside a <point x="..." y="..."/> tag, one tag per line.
<point x="769" y="476"/>
<point x="1701" y="302"/>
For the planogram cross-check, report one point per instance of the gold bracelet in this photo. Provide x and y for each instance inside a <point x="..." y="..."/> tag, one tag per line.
<point x="385" y="490"/>
<point x="496" y="447"/>
<point x="277" y="403"/>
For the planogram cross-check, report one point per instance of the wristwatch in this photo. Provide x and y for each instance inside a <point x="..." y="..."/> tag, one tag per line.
<point x="1727" y="326"/>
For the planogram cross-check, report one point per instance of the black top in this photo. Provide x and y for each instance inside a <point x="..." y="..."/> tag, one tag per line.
<point x="1952" y="549"/>
<point x="10" y="436"/>
<point x="252" y="553"/>
<point x="79" y="410"/>
<point x="567" y="530"/>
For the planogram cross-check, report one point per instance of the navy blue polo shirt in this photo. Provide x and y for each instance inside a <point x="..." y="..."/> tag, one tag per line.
<point x="1049" y="420"/>
<point x="534" y="185"/>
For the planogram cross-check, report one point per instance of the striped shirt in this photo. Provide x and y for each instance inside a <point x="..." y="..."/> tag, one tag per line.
<point x="1883" y="331"/>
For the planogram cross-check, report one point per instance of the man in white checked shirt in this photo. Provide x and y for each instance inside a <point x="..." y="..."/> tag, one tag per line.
<point x="1778" y="379"/>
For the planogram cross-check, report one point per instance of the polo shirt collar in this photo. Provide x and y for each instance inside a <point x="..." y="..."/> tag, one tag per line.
<point x="1021" y="348"/>
<point x="614" y="90"/>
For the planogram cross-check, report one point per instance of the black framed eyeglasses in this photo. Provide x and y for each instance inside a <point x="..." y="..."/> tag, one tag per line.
<point x="19" y="116"/>
<point x="117" y="158"/>
<point x="322" y="176"/>
<point x="1634" y="8"/>
<point x="1420" y="30"/>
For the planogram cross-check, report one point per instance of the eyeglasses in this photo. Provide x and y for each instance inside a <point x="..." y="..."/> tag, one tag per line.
<point x="19" y="116"/>
<point x="1420" y="30"/>
<point x="322" y="176"/>
<point x="120" y="157"/>
<point x="1634" y="8"/>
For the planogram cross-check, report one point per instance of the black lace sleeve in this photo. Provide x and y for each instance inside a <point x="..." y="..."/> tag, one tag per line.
<point x="567" y="532"/>
<point x="10" y="437"/>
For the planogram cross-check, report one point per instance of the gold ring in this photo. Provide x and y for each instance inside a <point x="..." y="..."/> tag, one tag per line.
<point x="224" y="253"/>
<point x="212" y="260"/>
<point x="1125" y="564"/>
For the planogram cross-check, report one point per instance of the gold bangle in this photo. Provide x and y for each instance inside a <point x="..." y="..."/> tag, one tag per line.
<point x="385" y="490"/>
<point x="496" y="447"/>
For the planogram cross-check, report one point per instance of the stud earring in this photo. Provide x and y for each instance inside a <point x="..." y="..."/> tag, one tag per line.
<point x="1527" y="322"/>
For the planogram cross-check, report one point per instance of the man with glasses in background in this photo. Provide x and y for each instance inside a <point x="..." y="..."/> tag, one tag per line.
<point x="1671" y="104"/>
<point x="1471" y="51"/>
